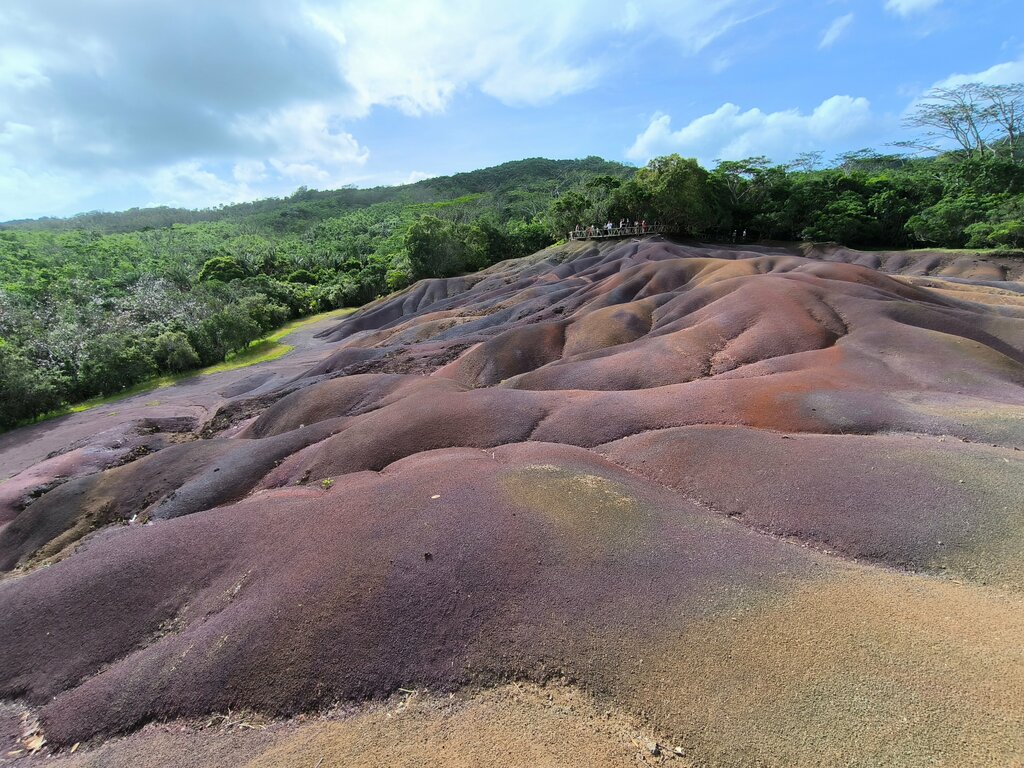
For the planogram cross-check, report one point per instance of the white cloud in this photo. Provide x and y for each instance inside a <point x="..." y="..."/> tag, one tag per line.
<point x="631" y="16"/>
<point x="20" y="69"/>
<point x="190" y="185"/>
<point x="729" y="133"/>
<point x="910" y="7"/>
<point x="415" y="176"/>
<point x="12" y="133"/>
<point x="197" y="102"/>
<point x="835" y="31"/>
<point x="999" y="74"/>
<point x="305" y="143"/>
<point x="26" y="194"/>
<point x="249" y="171"/>
<point x="416" y="57"/>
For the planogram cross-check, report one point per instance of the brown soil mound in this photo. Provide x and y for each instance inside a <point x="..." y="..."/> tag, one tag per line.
<point x="765" y="502"/>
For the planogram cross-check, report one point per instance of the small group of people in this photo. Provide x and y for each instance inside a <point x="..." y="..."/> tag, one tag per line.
<point x="609" y="229"/>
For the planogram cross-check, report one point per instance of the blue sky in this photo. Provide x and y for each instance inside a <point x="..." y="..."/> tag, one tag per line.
<point x="110" y="104"/>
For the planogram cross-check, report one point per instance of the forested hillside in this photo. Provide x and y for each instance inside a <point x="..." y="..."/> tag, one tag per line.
<point x="93" y="304"/>
<point x="98" y="302"/>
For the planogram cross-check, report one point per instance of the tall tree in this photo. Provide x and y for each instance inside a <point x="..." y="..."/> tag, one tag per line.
<point x="679" y="192"/>
<point x="976" y="117"/>
<point x="1006" y="108"/>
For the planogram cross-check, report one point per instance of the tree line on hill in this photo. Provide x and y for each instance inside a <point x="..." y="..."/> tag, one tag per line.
<point x="967" y="190"/>
<point x="101" y="301"/>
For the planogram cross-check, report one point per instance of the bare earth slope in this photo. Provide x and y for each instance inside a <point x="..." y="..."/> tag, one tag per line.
<point x="762" y="504"/>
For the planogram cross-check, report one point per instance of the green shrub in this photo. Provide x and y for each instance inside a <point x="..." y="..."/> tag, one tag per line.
<point x="112" y="362"/>
<point x="25" y="389"/>
<point x="173" y="352"/>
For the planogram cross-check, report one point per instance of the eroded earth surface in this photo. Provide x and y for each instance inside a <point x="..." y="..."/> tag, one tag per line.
<point x="763" y="505"/>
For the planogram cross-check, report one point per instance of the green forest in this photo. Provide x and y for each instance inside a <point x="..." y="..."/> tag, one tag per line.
<point x="98" y="302"/>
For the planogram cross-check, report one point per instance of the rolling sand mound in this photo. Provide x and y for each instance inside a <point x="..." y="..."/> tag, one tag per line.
<point x="764" y="505"/>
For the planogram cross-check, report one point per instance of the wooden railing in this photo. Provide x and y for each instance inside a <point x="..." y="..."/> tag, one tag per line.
<point x="602" y="233"/>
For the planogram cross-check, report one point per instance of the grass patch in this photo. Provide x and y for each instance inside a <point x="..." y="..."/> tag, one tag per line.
<point x="302" y="322"/>
<point x="259" y="351"/>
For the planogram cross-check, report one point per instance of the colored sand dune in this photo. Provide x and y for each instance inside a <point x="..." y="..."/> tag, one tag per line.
<point x="764" y="505"/>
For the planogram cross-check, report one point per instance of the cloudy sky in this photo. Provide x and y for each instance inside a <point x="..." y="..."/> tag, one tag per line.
<point x="109" y="104"/>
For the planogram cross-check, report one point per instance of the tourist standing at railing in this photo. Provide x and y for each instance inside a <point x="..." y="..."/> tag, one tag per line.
<point x="625" y="228"/>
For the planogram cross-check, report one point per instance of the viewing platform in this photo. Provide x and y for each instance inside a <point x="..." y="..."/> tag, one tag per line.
<point x="603" y="233"/>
